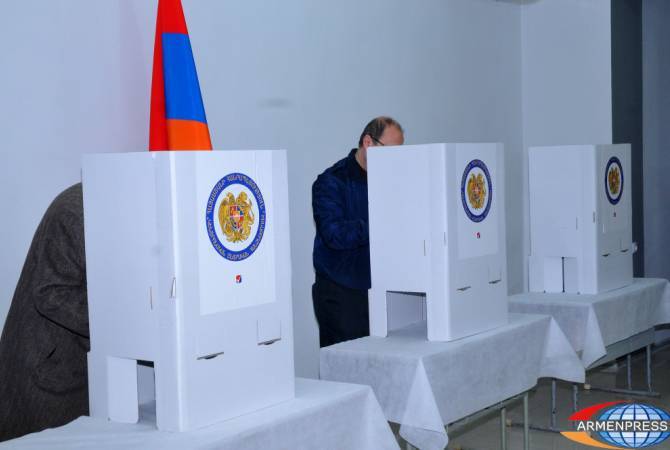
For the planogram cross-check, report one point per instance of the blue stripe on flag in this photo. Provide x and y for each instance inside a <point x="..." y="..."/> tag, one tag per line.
<point x="182" y="90"/>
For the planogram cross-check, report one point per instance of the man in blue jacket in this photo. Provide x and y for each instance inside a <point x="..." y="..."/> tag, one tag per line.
<point x="341" y="247"/>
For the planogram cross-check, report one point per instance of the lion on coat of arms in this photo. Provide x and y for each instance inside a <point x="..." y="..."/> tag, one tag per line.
<point x="236" y="217"/>
<point x="476" y="191"/>
<point x="614" y="180"/>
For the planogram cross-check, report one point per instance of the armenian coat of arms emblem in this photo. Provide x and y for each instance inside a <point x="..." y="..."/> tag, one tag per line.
<point x="236" y="217"/>
<point x="614" y="180"/>
<point x="476" y="190"/>
<point x="238" y="204"/>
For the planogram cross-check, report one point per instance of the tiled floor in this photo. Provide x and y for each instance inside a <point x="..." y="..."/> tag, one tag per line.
<point x="485" y="435"/>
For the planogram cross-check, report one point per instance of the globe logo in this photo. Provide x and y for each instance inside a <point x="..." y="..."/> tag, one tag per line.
<point x="619" y="424"/>
<point x="628" y="416"/>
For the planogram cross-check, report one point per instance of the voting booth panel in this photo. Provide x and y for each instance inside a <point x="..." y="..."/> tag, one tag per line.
<point x="580" y="218"/>
<point x="188" y="266"/>
<point x="437" y="227"/>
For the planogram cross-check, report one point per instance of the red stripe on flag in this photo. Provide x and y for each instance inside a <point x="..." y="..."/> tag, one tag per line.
<point x="173" y="16"/>
<point x="158" y="137"/>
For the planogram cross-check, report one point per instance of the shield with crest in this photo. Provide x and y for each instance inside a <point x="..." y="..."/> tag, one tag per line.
<point x="236" y="217"/>
<point x="614" y="180"/>
<point x="476" y="191"/>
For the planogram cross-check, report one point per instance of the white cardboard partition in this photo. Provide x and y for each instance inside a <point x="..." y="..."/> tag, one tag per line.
<point x="580" y="218"/>
<point x="437" y="227"/>
<point x="188" y="266"/>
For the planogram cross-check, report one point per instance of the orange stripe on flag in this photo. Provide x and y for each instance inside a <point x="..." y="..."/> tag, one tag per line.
<point x="188" y="135"/>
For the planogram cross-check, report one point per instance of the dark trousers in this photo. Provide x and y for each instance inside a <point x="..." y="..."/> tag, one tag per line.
<point x="342" y="313"/>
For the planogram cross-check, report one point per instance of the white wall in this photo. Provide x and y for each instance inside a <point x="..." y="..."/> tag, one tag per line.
<point x="656" y="72"/>
<point x="307" y="76"/>
<point x="72" y="80"/>
<point x="567" y="78"/>
<point x="567" y="73"/>
<point x="301" y="75"/>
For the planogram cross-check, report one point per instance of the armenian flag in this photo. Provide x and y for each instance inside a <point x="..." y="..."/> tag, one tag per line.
<point x="178" y="119"/>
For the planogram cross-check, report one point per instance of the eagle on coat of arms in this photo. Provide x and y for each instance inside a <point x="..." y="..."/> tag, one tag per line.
<point x="476" y="191"/>
<point x="236" y="217"/>
<point x="614" y="180"/>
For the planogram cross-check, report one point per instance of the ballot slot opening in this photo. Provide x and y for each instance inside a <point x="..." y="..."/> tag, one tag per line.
<point x="404" y="309"/>
<point x="146" y="383"/>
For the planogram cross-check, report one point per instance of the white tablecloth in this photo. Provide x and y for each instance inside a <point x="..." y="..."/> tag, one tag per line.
<point x="424" y="385"/>
<point x="592" y="322"/>
<point x="324" y="415"/>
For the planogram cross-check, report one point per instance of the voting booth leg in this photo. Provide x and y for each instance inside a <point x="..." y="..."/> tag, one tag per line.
<point x="378" y="312"/>
<point x="98" y="401"/>
<point x="168" y="409"/>
<point x="113" y="394"/>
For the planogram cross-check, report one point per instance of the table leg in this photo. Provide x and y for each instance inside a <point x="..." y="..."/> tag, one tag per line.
<point x="575" y="401"/>
<point x="649" y="368"/>
<point x="629" y="380"/>
<point x="553" y="404"/>
<point x="503" y="428"/>
<point x="526" y="434"/>
<point x="629" y="371"/>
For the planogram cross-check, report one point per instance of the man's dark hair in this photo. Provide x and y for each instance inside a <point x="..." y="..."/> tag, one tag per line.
<point x="376" y="128"/>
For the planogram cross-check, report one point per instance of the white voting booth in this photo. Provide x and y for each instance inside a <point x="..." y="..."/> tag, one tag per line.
<point x="437" y="227"/>
<point x="580" y="218"/>
<point x="188" y="266"/>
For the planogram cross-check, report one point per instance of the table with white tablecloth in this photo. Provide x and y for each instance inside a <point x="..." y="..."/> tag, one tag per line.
<point x="604" y="327"/>
<point x="594" y="322"/>
<point x="323" y="415"/>
<point x="425" y="385"/>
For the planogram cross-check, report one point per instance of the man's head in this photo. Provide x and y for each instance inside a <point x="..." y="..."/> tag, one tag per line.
<point x="381" y="131"/>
